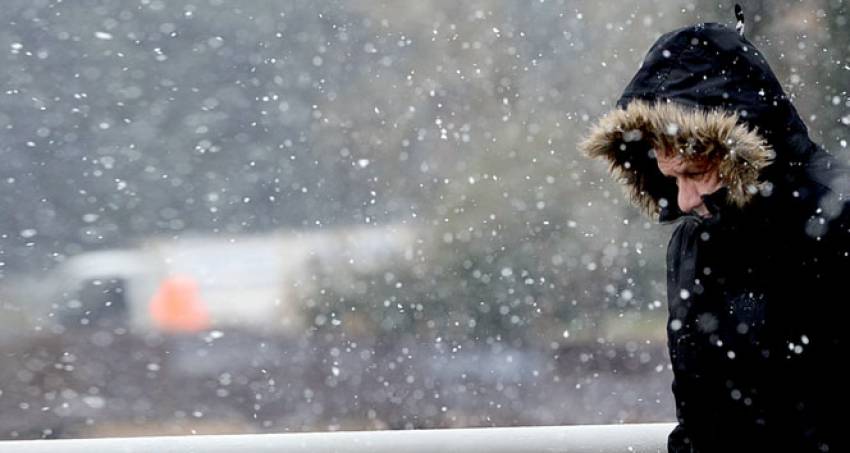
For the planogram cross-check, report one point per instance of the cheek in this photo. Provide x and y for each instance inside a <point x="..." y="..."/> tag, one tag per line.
<point x="709" y="183"/>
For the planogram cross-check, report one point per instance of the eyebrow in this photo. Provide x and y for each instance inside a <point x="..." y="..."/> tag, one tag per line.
<point x="687" y="167"/>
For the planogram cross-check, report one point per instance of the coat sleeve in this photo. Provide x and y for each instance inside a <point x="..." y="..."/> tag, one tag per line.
<point x="824" y="327"/>
<point x="688" y="347"/>
<point x="680" y="269"/>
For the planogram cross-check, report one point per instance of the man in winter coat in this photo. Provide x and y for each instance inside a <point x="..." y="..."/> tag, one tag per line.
<point x="704" y="137"/>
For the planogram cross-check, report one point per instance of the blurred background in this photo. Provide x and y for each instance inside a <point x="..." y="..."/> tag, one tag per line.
<point x="254" y="216"/>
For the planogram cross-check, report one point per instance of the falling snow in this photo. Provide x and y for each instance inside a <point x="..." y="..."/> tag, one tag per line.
<point x="272" y="217"/>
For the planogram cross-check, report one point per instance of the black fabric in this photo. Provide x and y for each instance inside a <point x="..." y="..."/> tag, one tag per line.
<point x="709" y="66"/>
<point x="757" y="296"/>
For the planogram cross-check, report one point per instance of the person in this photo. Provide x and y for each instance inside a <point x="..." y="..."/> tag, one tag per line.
<point x="704" y="138"/>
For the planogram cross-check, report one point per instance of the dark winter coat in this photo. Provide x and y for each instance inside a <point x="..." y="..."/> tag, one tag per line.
<point x="756" y="292"/>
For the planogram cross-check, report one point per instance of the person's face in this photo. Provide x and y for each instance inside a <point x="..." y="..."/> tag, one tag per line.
<point x="693" y="178"/>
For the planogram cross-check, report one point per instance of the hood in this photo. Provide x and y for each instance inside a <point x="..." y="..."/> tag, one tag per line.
<point x="706" y="91"/>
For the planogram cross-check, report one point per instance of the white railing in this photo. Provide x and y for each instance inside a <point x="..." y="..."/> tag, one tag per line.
<point x="628" y="438"/>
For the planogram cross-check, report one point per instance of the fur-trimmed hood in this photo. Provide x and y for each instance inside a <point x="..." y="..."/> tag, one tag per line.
<point x="706" y="92"/>
<point x="628" y="139"/>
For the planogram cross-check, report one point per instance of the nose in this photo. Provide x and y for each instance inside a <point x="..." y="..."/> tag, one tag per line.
<point x="689" y="197"/>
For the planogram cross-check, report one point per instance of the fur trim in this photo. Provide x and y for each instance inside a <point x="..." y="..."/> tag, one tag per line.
<point x="627" y="139"/>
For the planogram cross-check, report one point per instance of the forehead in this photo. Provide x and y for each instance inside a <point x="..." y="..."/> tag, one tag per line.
<point x="673" y="162"/>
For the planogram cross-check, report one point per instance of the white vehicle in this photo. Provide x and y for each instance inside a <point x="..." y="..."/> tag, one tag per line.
<point x="208" y="282"/>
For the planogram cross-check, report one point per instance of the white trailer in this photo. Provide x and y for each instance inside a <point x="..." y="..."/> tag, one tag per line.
<point x="244" y="281"/>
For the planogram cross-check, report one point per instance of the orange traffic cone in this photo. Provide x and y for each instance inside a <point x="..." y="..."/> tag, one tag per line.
<point x="176" y="306"/>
